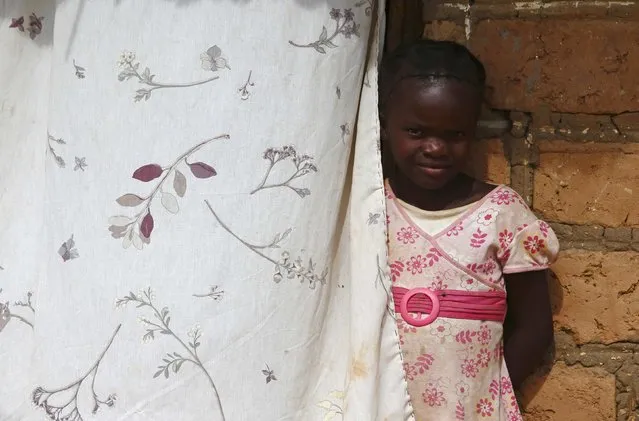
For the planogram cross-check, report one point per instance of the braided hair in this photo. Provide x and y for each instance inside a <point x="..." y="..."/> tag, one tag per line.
<point x="430" y="61"/>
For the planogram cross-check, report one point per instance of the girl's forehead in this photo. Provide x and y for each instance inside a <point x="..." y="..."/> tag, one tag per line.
<point x="428" y="95"/>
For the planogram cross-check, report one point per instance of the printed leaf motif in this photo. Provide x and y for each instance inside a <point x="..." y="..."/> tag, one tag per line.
<point x="146" y="227"/>
<point x="129" y="200"/>
<point x="136" y="230"/>
<point x="68" y="251"/>
<point x="202" y="170"/>
<point x="179" y="183"/>
<point x="170" y="203"/>
<point x="148" y="172"/>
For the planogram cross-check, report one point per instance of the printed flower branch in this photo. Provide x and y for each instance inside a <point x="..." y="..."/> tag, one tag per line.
<point x="34" y="28"/>
<point x="292" y="269"/>
<point x="333" y="405"/>
<point x="57" y="158"/>
<point x="303" y="165"/>
<point x="244" y="92"/>
<point x="62" y="404"/>
<point x="344" y="25"/>
<point x="212" y="60"/>
<point x="215" y="293"/>
<point x="159" y="323"/>
<point x="137" y="229"/>
<point x="6" y="315"/>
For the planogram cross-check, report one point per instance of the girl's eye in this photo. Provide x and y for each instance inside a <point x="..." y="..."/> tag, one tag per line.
<point x="414" y="132"/>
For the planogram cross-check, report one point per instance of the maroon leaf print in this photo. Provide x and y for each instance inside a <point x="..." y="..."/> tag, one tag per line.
<point x="146" y="227"/>
<point x="17" y="23"/>
<point x="129" y="200"/>
<point x="202" y="170"/>
<point x="148" y="172"/>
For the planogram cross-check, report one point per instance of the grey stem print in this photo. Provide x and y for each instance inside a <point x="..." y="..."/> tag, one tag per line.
<point x="214" y="292"/>
<point x="160" y="323"/>
<point x="68" y="251"/>
<point x="51" y="140"/>
<point x="333" y="405"/>
<point x="79" y="70"/>
<point x="338" y="92"/>
<point x="345" y="129"/>
<point x="302" y="165"/>
<point x="344" y="25"/>
<point x="62" y="404"/>
<point x="137" y="229"/>
<point x="212" y="60"/>
<point x="80" y="164"/>
<point x="270" y="374"/>
<point x="6" y="314"/>
<point x="244" y="91"/>
<point x="368" y="4"/>
<point x="292" y="269"/>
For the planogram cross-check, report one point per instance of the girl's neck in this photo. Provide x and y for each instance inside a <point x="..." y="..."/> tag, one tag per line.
<point x="460" y="191"/>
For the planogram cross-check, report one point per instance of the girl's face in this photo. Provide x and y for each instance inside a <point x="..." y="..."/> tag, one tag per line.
<point x="429" y="127"/>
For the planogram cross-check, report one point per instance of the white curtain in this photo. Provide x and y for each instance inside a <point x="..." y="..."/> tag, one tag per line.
<point x="191" y="212"/>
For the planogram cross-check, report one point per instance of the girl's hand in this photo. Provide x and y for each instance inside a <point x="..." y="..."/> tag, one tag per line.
<point x="528" y="329"/>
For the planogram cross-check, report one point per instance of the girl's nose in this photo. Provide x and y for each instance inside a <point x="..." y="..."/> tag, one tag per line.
<point x="434" y="146"/>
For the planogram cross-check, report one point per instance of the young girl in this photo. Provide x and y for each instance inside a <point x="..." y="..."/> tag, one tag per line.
<point x="461" y="251"/>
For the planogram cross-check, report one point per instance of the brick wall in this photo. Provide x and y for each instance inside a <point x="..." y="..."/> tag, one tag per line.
<point x="566" y="75"/>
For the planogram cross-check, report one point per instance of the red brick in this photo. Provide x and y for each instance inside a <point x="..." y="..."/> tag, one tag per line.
<point x="599" y="296"/>
<point x="572" y="66"/>
<point x="591" y="183"/>
<point x="445" y="30"/>
<point x="572" y="393"/>
<point x="489" y="162"/>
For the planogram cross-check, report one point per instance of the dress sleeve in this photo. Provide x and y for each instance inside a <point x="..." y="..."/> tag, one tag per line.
<point x="534" y="247"/>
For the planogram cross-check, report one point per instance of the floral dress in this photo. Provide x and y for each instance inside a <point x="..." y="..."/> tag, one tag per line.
<point x="454" y="365"/>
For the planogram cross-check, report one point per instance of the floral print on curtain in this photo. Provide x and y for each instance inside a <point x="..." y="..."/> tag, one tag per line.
<point x="235" y="162"/>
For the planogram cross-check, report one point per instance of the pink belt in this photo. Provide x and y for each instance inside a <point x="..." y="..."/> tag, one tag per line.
<point x="476" y="305"/>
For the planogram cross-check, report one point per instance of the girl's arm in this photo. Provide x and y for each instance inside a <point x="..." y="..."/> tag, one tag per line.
<point x="528" y="329"/>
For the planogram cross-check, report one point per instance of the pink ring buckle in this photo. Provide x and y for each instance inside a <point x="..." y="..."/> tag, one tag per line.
<point x="403" y="307"/>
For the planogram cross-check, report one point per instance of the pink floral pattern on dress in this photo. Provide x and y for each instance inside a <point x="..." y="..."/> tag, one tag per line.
<point x="416" y="264"/>
<point x="469" y="368"/>
<point x="464" y="376"/>
<point x="485" y="407"/>
<point x="534" y="244"/>
<point x="455" y="230"/>
<point x="478" y="238"/>
<point x="432" y="396"/>
<point x="487" y="217"/>
<point x="407" y="235"/>
<point x="396" y="269"/>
